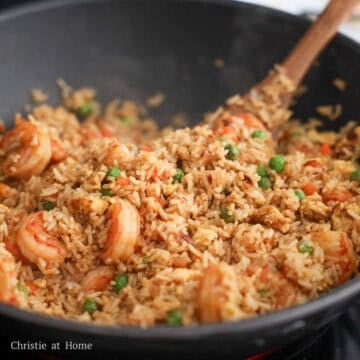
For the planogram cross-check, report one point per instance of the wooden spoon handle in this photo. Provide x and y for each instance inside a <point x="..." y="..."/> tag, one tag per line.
<point x="270" y="98"/>
<point x="316" y="38"/>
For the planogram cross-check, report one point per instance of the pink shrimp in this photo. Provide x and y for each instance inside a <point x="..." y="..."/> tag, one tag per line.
<point x="27" y="150"/>
<point x="35" y="243"/>
<point x="97" y="279"/>
<point x="124" y="232"/>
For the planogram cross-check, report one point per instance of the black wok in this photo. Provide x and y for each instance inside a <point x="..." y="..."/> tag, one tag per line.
<point x="133" y="49"/>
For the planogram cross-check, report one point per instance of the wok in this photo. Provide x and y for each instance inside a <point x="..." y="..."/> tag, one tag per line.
<point x="132" y="49"/>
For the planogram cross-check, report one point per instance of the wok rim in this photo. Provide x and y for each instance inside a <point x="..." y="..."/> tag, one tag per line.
<point x="342" y="294"/>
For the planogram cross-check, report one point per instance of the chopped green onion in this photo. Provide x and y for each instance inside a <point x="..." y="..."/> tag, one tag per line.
<point x="232" y="152"/>
<point x="174" y="318"/>
<point x="261" y="170"/>
<point x="259" y="134"/>
<point x="125" y="121"/>
<point x="355" y="175"/>
<point x="296" y="134"/>
<point x="277" y="163"/>
<point x="47" y="205"/>
<point x="300" y="194"/>
<point x="2" y="178"/>
<point x="85" y="110"/>
<point x="178" y="175"/>
<point x="224" y="214"/>
<point x="223" y="139"/>
<point x="120" y="282"/>
<point x="303" y="248"/>
<point x="90" y="306"/>
<point x="265" y="183"/>
<point x="23" y="289"/>
<point x="114" y="172"/>
<point x="106" y="192"/>
<point x="263" y="292"/>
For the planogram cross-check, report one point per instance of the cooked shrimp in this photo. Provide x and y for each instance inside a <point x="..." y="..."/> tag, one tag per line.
<point x="124" y="232"/>
<point x="8" y="278"/>
<point x="7" y="191"/>
<point x="116" y="154"/>
<point x="35" y="243"/>
<point x="88" y="204"/>
<point x="217" y="299"/>
<point x="12" y="247"/>
<point x="58" y="151"/>
<point x="338" y="250"/>
<point x="280" y="291"/>
<point x="346" y="217"/>
<point x="26" y="150"/>
<point x="97" y="279"/>
<point x="8" y="195"/>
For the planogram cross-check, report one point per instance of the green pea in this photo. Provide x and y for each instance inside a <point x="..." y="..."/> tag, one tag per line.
<point x="277" y="163"/>
<point x="85" y="110"/>
<point x="304" y="248"/>
<point x="261" y="170"/>
<point x="120" y="282"/>
<point x="174" y="318"/>
<point x="178" y="175"/>
<point x="125" y="121"/>
<point x="23" y="289"/>
<point x="114" y="172"/>
<point x="300" y="194"/>
<point x="355" y="175"/>
<point x="226" y="216"/>
<point x="90" y="305"/>
<point x="47" y="205"/>
<point x="265" y="183"/>
<point x="232" y="152"/>
<point x="259" y="134"/>
<point x="106" y="192"/>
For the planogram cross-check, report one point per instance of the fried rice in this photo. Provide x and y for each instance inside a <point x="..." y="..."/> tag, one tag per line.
<point x="105" y="218"/>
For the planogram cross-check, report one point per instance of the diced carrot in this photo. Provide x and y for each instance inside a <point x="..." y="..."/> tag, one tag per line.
<point x="90" y="134"/>
<point x="106" y="131"/>
<point x="160" y="200"/>
<point x="325" y="149"/>
<point x="250" y="121"/>
<point x="13" y="301"/>
<point x="309" y="188"/>
<point x="156" y="176"/>
<point x="313" y="163"/>
<point x="58" y="151"/>
<point x="302" y="148"/>
<point x="225" y="130"/>
<point x="123" y="181"/>
<point x="337" y="195"/>
<point x="32" y="287"/>
<point x="147" y="148"/>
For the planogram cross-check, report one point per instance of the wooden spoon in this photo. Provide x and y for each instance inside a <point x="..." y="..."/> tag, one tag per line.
<point x="295" y="66"/>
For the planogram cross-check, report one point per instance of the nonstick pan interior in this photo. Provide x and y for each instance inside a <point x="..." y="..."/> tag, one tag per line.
<point x="134" y="48"/>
